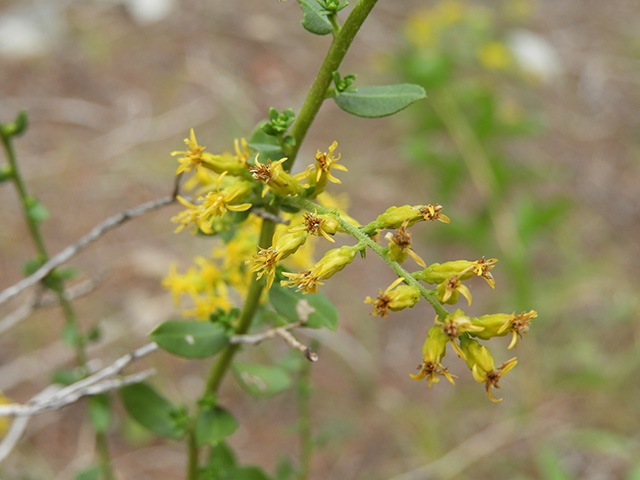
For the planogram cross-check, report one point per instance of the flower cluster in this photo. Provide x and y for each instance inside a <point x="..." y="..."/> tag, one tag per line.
<point x="243" y="185"/>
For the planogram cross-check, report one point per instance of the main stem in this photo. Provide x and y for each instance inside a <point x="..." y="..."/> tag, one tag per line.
<point x="317" y="93"/>
<point x="339" y="46"/>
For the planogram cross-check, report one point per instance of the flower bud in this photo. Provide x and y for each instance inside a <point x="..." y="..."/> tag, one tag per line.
<point x="333" y="262"/>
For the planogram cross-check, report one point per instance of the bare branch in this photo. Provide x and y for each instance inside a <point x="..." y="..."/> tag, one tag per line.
<point x="92" y="385"/>
<point x="72" y="250"/>
<point x="282" y="332"/>
<point x="25" y="310"/>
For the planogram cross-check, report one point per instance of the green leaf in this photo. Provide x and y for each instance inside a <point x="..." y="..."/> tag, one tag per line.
<point x="92" y="473"/>
<point x="262" y="380"/>
<point x="99" y="412"/>
<point x="5" y="173"/>
<point x="190" y="339"/>
<point x="150" y="409"/>
<point x="67" y="376"/>
<point x="221" y="457"/>
<point x="15" y="128"/>
<point x="36" y="210"/>
<point x="319" y="310"/>
<point x="313" y="19"/>
<point x="214" y="425"/>
<point x="379" y="101"/>
<point x="70" y="334"/>
<point x="267" y="146"/>
<point x="245" y="473"/>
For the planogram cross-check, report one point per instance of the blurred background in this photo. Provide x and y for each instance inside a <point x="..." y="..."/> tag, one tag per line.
<point x="530" y="138"/>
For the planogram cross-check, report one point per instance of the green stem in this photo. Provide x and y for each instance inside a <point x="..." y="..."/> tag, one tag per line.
<point x="382" y="253"/>
<point x="102" y="448"/>
<point x="317" y="93"/>
<point x="223" y="361"/>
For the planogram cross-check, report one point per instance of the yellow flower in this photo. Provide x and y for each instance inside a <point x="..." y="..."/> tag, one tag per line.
<point x="463" y="269"/>
<point x="456" y="324"/>
<point x="482" y="365"/>
<point x="449" y="291"/>
<point x="400" y="246"/>
<point x="192" y="157"/>
<point x="320" y="173"/>
<point x="396" y="297"/>
<point x="264" y="262"/>
<point x="433" y="351"/>
<point x="434" y="212"/>
<point x="495" y="56"/>
<point x="305" y="281"/>
<point x="275" y="178"/>
<point x="317" y="225"/>
<point x="407" y="215"/>
<point x="213" y="204"/>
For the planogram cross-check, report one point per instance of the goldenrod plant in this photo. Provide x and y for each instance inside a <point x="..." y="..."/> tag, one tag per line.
<point x="260" y="278"/>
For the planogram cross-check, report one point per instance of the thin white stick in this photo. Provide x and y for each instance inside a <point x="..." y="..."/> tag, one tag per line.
<point x="92" y="385"/>
<point x="81" y="244"/>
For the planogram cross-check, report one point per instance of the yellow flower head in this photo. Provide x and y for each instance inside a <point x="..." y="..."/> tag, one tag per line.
<point x="264" y="262"/>
<point x="396" y="297"/>
<point x="317" y="225"/>
<point x="400" y="246"/>
<point x="275" y="178"/>
<point x="449" y="291"/>
<point x="481" y="363"/>
<point x="433" y="351"/>
<point x="320" y="173"/>
<point x="434" y="212"/>
<point x="305" y="281"/>
<point x="192" y="157"/>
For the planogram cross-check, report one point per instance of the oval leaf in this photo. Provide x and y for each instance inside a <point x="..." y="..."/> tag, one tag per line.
<point x="379" y="101"/>
<point x="316" y="310"/>
<point x="267" y="146"/>
<point x="214" y="425"/>
<point x="313" y="20"/>
<point x="150" y="409"/>
<point x="262" y="380"/>
<point x="192" y="339"/>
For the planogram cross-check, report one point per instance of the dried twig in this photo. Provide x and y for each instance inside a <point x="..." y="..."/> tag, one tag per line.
<point x="282" y="332"/>
<point x="74" y="249"/>
<point x="45" y="301"/>
<point x="92" y="385"/>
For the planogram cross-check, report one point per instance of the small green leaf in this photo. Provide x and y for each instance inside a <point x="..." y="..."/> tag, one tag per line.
<point x="150" y="409"/>
<point x="99" y="412"/>
<point x="92" y="473"/>
<point x="70" y="334"/>
<point x="190" y="339"/>
<point x="262" y="380"/>
<point x="313" y="19"/>
<point x="267" y="146"/>
<point x="221" y="457"/>
<point x="214" y="425"/>
<point x="317" y="309"/>
<point x="5" y="173"/>
<point x="245" y="473"/>
<point x="17" y="127"/>
<point x="379" y="101"/>
<point x="67" y="376"/>
<point x="36" y="210"/>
